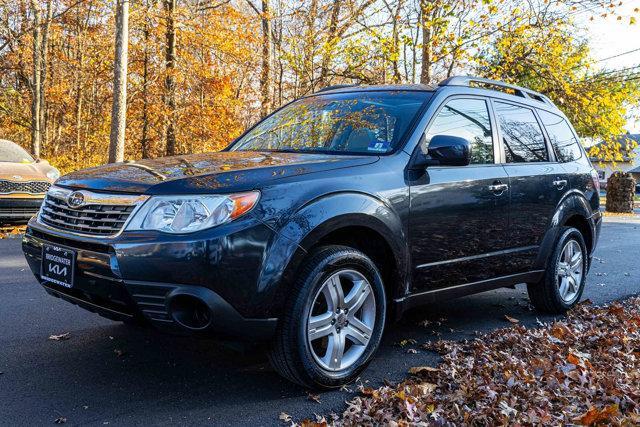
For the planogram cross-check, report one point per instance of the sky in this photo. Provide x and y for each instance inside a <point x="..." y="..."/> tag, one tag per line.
<point x="610" y="36"/>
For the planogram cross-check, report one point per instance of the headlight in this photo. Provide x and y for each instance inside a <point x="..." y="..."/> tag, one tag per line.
<point x="186" y="214"/>
<point x="53" y="174"/>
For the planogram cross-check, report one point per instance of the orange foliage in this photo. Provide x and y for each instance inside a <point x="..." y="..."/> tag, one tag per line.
<point x="215" y="64"/>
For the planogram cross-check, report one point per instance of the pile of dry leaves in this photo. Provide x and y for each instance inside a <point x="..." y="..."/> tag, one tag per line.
<point x="584" y="370"/>
<point x="11" y="231"/>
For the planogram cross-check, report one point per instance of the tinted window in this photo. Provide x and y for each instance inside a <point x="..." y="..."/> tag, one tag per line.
<point x="563" y="140"/>
<point x="357" y="122"/>
<point x="521" y="134"/>
<point x="469" y="119"/>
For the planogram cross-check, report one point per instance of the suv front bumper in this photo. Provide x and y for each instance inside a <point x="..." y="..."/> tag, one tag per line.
<point x="101" y="287"/>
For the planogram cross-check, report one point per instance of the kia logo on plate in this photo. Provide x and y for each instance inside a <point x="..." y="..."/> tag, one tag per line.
<point x="75" y="199"/>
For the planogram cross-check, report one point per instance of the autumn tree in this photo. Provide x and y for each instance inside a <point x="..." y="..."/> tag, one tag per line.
<point x="199" y="72"/>
<point x="550" y="60"/>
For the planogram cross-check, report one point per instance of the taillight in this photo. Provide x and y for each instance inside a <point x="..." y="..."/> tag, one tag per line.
<point x="596" y="180"/>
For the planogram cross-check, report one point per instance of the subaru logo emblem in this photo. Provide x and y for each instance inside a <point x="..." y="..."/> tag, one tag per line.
<point x="75" y="199"/>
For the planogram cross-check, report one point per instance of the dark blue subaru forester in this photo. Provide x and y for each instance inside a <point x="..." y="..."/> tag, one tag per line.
<point x="335" y="213"/>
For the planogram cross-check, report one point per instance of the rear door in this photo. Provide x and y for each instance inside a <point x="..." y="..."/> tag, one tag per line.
<point x="459" y="214"/>
<point x="567" y="150"/>
<point x="535" y="180"/>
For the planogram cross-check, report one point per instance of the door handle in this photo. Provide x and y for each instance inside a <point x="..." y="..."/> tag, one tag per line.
<point x="560" y="183"/>
<point x="498" y="188"/>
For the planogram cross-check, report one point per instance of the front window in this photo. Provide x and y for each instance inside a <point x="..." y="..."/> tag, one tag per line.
<point x="357" y="122"/>
<point x="13" y="153"/>
<point x="469" y="119"/>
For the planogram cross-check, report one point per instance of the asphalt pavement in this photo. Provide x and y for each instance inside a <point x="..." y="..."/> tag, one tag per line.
<point x="108" y="373"/>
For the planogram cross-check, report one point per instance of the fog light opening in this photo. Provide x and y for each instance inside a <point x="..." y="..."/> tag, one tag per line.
<point x="190" y="312"/>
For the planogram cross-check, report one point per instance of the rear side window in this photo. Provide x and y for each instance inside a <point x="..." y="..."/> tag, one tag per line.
<point x="466" y="118"/>
<point x="564" y="142"/>
<point x="521" y="134"/>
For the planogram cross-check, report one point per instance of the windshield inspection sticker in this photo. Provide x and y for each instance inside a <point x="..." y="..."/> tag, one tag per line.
<point x="378" y="146"/>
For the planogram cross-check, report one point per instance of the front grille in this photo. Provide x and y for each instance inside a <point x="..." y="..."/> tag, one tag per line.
<point x="18" y="210"/>
<point x="31" y="187"/>
<point x="93" y="219"/>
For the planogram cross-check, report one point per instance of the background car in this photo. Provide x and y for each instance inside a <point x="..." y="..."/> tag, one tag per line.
<point x="23" y="182"/>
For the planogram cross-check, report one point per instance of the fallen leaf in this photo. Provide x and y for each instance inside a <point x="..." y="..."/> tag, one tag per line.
<point x="511" y="319"/>
<point x="284" y="417"/>
<point x="572" y="358"/>
<point x="426" y="388"/>
<point x="406" y="342"/>
<point x="422" y="370"/>
<point x="310" y="423"/>
<point x="369" y="391"/>
<point x="595" y="416"/>
<point x="60" y="420"/>
<point x="313" y="397"/>
<point x="61" y="337"/>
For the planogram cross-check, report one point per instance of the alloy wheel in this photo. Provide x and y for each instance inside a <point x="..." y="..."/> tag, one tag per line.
<point x="570" y="271"/>
<point x="341" y="320"/>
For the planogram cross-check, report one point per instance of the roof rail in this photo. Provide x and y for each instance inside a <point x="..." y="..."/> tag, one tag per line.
<point x="519" y="91"/>
<point x="333" y="87"/>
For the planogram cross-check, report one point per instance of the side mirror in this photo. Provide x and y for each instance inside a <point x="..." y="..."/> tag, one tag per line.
<point x="450" y="150"/>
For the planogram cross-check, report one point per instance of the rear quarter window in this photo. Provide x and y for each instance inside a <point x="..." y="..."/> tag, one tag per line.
<point x="564" y="142"/>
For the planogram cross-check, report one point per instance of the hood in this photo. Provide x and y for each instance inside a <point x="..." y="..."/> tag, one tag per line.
<point x="221" y="172"/>
<point x="34" y="171"/>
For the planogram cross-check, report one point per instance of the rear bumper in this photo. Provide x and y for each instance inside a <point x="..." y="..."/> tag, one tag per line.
<point x="19" y="209"/>
<point x="99" y="287"/>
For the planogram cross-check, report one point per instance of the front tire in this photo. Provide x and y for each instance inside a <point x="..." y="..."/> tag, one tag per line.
<point x="333" y="320"/>
<point x="564" y="279"/>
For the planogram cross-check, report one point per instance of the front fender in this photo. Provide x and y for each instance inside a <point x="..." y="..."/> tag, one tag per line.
<point x="320" y="217"/>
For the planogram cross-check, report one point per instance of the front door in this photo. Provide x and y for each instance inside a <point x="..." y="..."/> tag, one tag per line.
<point x="459" y="215"/>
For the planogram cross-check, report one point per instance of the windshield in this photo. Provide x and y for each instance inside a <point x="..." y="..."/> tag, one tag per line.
<point x="10" y="152"/>
<point x="357" y="122"/>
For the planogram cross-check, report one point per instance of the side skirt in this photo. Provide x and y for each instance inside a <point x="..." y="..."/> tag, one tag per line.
<point x="405" y="303"/>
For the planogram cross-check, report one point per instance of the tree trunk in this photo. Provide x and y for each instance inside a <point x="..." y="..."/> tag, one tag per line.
<point x="265" y="75"/>
<point x="331" y="35"/>
<point x="169" y="81"/>
<point x="307" y="78"/>
<point x="43" y="75"/>
<point x="425" y="73"/>
<point x="396" y="43"/>
<point x="144" y="140"/>
<point x="119" y="110"/>
<point x="35" y="82"/>
<point x="78" y="114"/>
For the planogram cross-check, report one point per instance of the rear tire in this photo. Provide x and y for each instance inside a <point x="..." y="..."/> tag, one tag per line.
<point x="564" y="279"/>
<point x="336" y="308"/>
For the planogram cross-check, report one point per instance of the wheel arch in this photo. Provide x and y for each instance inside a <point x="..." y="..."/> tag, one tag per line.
<point x="352" y="219"/>
<point x="573" y="211"/>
